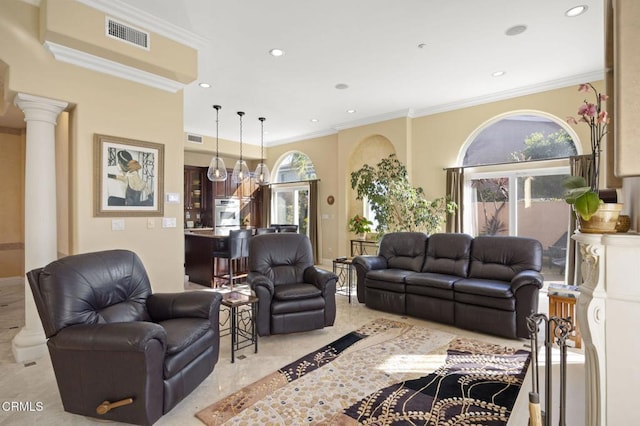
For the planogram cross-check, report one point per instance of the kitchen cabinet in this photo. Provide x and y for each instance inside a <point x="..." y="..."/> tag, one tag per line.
<point x="197" y="196"/>
<point x="248" y="191"/>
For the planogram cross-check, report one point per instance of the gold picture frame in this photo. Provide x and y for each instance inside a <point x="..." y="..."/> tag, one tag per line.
<point x="128" y="177"/>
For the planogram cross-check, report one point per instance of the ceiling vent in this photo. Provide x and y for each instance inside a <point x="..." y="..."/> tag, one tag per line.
<point x="127" y="33"/>
<point x="194" y="138"/>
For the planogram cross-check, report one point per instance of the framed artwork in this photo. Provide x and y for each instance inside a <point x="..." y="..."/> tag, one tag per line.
<point x="128" y="177"/>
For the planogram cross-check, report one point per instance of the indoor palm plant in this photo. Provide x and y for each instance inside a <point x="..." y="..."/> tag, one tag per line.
<point x="583" y="193"/>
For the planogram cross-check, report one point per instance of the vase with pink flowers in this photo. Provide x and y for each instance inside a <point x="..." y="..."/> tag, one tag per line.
<point x="593" y="215"/>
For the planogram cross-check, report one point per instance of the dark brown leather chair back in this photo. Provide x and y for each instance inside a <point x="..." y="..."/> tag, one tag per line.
<point x="92" y="288"/>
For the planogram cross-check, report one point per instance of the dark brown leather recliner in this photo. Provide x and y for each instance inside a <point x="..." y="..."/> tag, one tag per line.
<point x="112" y="341"/>
<point x="294" y="294"/>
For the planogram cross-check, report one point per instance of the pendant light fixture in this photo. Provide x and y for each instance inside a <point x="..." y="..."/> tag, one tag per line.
<point x="262" y="175"/>
<point x="217" y="171"/>
<point x="240" y="170"/>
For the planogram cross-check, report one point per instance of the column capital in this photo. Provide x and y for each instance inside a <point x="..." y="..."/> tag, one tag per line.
<point x="37" y="108"/>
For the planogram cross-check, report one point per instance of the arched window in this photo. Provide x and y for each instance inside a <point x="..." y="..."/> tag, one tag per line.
<point x="290" y="191"/>
<point x="294" y="167"/>
<point x="514" y="168"/>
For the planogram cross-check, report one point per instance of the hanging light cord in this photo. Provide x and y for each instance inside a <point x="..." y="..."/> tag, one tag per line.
<point x="217" y="107"/>
<point x="261" y="139"/>
<point x="240" y="113"/>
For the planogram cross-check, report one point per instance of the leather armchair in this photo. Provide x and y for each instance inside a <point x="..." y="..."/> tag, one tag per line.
<point x="294" y="294"/>
<point x="118" y="351"/>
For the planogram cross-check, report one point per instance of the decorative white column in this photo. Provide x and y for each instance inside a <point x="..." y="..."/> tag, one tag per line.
<point x="40" y="234"/>
<point x="609" y="316"/>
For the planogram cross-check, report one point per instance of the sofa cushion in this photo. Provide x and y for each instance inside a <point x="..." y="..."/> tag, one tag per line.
<point x="404" y="250"/>
<point x="429" y="279"/>
<point x="480" y="287"/>
<point x="501" y="258"/>
<point x="448" y="254"/>
<point x="381" y="284"/>
<point x="500" y="303"/>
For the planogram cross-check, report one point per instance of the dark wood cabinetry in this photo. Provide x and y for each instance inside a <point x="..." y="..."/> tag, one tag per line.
<point x="197" y="197"/>
<point x="200" y="193"/>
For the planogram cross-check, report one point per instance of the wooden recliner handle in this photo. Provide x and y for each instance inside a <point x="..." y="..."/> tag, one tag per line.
<point x="107" y="406"/>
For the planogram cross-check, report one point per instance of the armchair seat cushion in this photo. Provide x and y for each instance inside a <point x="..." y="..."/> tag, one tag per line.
<point x="300" y="305"/>
<point x="296" y="291"/>
<point x="184" y="332"/>
<point x="177" y="361"/>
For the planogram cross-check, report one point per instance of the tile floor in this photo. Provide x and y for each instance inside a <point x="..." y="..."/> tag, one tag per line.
<point x="35" y="382"/>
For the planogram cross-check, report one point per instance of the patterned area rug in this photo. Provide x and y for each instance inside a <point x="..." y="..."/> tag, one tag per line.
<point x="385" y="373"/>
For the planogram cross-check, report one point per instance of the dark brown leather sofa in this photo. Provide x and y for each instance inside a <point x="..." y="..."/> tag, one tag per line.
<point x="294" y="294"/>
<point x="488" y="284"/>
<point x="111" y="339"/>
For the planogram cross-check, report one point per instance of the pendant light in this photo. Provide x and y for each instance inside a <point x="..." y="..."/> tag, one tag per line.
<point x="262" y="175"/>
<point x="217" y="171"/>
<point x="240" y="170"/>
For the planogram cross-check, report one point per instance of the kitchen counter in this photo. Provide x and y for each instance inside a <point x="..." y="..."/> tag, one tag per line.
<point x="199" y="246"/>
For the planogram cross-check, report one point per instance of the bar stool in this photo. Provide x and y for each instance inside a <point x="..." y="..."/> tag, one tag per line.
<point x="236" y="252"/>
<point x="260" y="231"/>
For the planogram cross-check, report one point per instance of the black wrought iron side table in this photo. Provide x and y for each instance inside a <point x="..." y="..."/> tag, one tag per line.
<point x="241" y="322"/>
<point x="342" y="267"/>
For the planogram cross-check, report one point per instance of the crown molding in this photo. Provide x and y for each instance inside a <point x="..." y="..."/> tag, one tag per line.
<point x="403" y="113"/>
<point x="318" y="134"/>
<point x="143" y="19"/>
<point x="508" y="94"/>
<point x="106" y="66"/>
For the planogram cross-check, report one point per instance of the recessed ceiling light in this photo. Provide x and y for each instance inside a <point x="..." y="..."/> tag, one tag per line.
<point x="314" y="120"/>
<point x="576" y="11"/>
<point x="515" y="30"/>
<point x="204" y="85"/>
<point x="351" y="111"/>
<point x="498" y="73"/>
<point x="276" y="52"/>
<point x="342" y="86"/>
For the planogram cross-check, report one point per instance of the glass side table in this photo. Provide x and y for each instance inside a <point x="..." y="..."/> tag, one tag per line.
<point x="241" y="322"/>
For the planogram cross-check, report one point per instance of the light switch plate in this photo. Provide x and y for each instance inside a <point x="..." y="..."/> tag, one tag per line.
<point x="117" y="224"/>
<point x="169" y="222"/>
<point x="173" y="198"/>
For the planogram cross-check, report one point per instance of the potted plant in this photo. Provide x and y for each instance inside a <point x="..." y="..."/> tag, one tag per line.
<point x="360" y="225"/>
<point x="397" y="205"/>
<point x="594" y="216"/>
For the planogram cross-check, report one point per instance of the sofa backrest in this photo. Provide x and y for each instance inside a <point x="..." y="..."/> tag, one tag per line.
<point x="501" y="258"/>
<point x="404" y="250"/>
<point x="448" y="254"/>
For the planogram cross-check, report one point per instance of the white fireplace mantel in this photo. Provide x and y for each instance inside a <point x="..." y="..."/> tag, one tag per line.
<point x="609" y="316"/>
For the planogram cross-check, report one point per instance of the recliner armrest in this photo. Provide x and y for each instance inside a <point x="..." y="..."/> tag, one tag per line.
<point x="111" y="337"/>
<point x="370" y="262"/>
<point x="319" y="277"/>
<point x="189" y="304"/>
<point x="258" y="280"/>
<point x="526" y="278"/>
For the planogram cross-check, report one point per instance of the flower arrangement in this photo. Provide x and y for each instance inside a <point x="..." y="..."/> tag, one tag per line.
<point x="360" y="224"/>
<point x="583" y="193"/>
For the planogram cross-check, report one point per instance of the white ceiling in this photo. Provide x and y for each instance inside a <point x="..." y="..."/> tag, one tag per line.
<point x="372" y="46"/>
